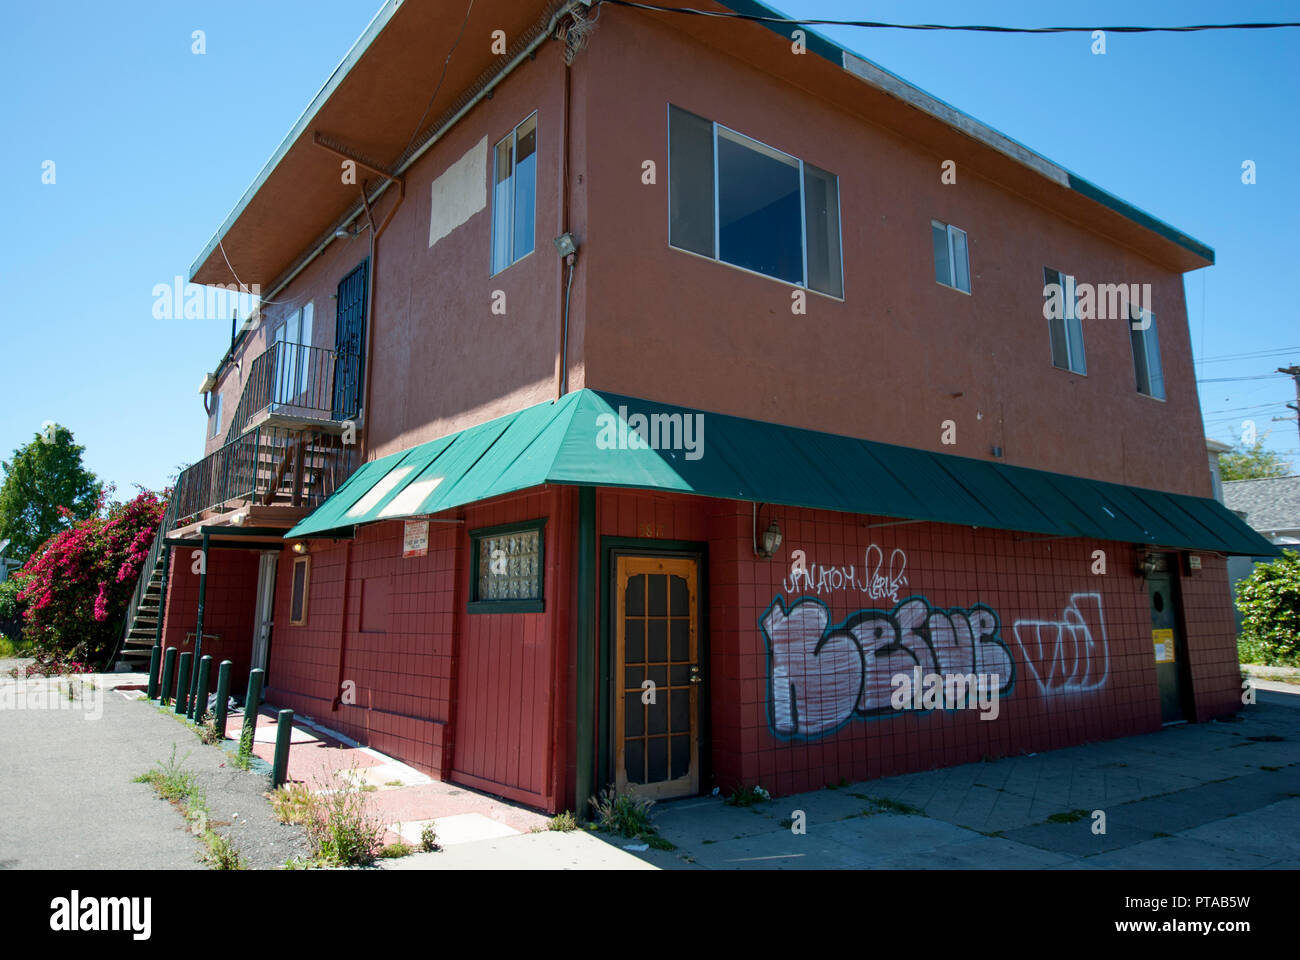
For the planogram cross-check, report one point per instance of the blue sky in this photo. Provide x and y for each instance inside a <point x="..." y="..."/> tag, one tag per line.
<point x="153" y="145"/>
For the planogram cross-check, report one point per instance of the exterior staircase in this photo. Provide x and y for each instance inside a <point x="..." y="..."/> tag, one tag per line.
<point x="285" y="447"/>
<point x="142" y="624"/>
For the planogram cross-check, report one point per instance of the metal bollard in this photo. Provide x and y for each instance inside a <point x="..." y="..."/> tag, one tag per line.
<point x="283" y="733"/>
<point x="199" y="708"/>
<point x="223" y="696"/>
<point x="155" y="661"/>
<point x="168" y="674"/>
<point x="183" y="682"/>
<point x="251" y="699"/>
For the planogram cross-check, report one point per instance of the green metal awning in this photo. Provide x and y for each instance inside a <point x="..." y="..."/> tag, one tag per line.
<point x="597" y="439"/>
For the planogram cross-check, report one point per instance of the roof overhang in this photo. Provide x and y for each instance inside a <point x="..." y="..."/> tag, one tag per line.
<point x="376" y="102"/>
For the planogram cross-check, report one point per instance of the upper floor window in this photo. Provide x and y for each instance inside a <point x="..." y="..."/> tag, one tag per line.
<point x="1146" y="354"/>
<point x="514" y="195"/>
<point x="951" y="261"/>
<point x="734" y="199"/>
<point x="214" y="418"/>
<point x="1061" y="309"/>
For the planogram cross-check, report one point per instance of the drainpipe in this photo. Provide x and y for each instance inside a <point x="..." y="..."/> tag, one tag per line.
<point x="562" y="346"/>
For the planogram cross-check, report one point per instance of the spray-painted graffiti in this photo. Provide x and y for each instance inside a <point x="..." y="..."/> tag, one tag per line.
<point x="1069" y="655"/>
<point x="822" y="676"/>
<point x="876" y="580"/>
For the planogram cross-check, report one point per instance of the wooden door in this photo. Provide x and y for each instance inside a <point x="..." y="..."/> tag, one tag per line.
<point x="658" y="677"/>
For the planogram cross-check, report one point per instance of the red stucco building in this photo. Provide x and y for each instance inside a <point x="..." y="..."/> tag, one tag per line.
<point x="783" y="429"/>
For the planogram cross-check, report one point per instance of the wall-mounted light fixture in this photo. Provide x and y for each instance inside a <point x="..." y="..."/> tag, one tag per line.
<point x="1148" y="563"/>
<point x="299" y="547"/>
<point x="771" y="539"/>
<point x="566" y="245"/>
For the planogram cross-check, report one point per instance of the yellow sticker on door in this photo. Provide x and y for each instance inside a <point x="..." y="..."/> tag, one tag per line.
<point x="1164" y="644"/>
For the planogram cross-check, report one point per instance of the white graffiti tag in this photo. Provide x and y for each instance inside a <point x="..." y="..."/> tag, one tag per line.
<point x="1069" y="655"/>
<point x="876" y="580"/>
<point x="822" y="676"/>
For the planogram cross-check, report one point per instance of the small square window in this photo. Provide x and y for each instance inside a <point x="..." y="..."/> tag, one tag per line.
<point x="951" y="258"/>
<point x="506" y="572"/>
<point x="514" y="195"/>
<point x="1064" y="329"/>
<point x="298" y="595"/>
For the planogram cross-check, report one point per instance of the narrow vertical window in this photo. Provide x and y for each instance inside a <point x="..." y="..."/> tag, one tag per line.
<point x="514" y="195"/>
<point x="821" y="193"/>
<point x="1146" y="354"/>
<point x="951" y="258"/>
<point x="1064" y="328"/>
<point x="298" y="593"/>
<point x="214" y="420"/>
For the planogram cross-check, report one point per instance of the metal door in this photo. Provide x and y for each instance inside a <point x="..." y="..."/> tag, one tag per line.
<point x="350" y="343"/>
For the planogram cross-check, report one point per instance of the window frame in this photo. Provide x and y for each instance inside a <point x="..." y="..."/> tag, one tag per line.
<point x="214" y="430"/>
<point x="291" y="374"/>
<point x="1070" y="315"/>
<point x="1134" y="332"/>
<point x="948" y="229"/>
<point x="306" y="588"/>
<point x="513" y="137"/>
<point x="716" y="257"/>
<point x="536" y="605"/>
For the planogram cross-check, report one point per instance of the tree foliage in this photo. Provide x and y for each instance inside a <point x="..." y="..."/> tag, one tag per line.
<point x="77" y="586"/>
<point x="1269" y="601"/>
<point x="46" y="489"/>
<point x="1252" y="463"/>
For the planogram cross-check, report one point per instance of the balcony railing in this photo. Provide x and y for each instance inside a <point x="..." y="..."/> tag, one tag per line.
<point x="293" y="382"/>
<point x="268" y="465"/>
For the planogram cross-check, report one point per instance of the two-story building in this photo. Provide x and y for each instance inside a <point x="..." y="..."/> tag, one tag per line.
<point x="672" y="402"/>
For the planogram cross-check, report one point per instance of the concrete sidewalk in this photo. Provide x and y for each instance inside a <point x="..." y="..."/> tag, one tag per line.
<point x="1220" y="795"/>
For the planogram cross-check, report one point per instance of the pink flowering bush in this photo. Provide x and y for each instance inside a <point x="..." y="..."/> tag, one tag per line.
<point x="77" y="585"/>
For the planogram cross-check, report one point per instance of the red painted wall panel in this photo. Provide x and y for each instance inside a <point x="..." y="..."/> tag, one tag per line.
<point x="228" y="611"/>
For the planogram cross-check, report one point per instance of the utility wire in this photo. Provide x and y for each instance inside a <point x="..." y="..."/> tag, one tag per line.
<point x="875" y="24"/>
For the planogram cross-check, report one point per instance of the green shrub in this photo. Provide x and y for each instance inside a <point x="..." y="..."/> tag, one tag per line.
<point x="429" y="838"/>
<point x="1269" y="601"/>
<point x="563" y="822"/>
<point x="341" y="830"/>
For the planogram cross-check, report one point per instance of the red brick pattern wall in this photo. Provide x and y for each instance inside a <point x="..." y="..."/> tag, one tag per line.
<point x="1211" y="638"/>
<point x="392" y="686"/>
<point x="1027" y="581"/>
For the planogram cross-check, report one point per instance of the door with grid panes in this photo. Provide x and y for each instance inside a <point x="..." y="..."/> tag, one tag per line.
<point x="658" y="677"/>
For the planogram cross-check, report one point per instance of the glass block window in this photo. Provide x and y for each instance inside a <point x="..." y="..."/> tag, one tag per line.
<point x="507" y="569"/>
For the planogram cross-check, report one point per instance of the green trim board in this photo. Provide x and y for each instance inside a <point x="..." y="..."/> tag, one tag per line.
<point x="598" y="439"/>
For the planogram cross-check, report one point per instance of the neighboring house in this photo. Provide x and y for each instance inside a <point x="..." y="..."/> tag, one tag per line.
<point x="1272" y="507"/>
<point x="1215" y="449"/>
<point x="671" y="502"/>
<point x="7" y="564"/>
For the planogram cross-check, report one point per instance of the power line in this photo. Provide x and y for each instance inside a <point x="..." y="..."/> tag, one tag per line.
<point x="874" y="24"/>
<point x="1259" y="376"/>
<point x="1257" y="355"/>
